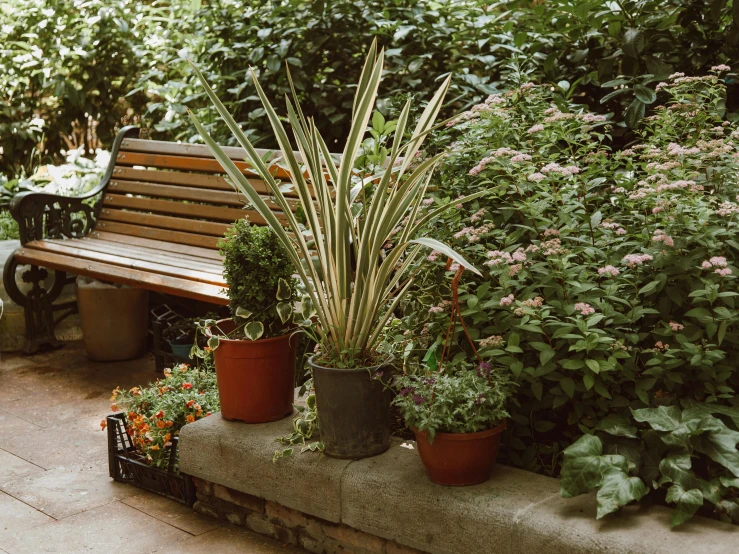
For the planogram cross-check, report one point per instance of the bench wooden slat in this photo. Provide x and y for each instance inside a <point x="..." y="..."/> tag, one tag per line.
<point x="177" y="192"/>
<point x="165" y="222"/>
<point x="188" y="163"/>
<point x="165" y="235"/>
<point x="70" y="248"/>
<point x="168" y="207"/>
<point x="141" y="253"/>
<point x="158" y="245"/>
<point x="135" y="277"/>
<point x="194" y="150"/>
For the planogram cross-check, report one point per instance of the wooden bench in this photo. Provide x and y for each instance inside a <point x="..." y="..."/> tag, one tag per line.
<point x="153" y="222"/>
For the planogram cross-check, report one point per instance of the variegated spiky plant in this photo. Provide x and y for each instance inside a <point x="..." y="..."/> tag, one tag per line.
<point x="338" y="251"/>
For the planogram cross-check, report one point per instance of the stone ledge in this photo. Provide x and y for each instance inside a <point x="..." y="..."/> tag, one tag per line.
<point x="390" y="497"/>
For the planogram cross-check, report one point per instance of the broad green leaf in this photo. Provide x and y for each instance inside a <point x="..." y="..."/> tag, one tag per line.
<point x="687" y="503"/>
<point x="634" y="42"/>
<point x="568" y="385"/>
<point x="584" y="466"/>
<point x="617" y="490"/>
<point x="634" y="113"/>
<point x="284" y="310"/>
<point x="720" y="446"/>
<point x="663" y="418"/>
<point x="645" y="94"/>
<point x="254" y="330"/>
<point x="617" y="425"/>
<point x="284" y="292"/>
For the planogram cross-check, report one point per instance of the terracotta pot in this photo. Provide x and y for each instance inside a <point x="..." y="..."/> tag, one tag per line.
<point x="256" y="379"/>
<point x="460" y="458"/>
<point x="353" y="410"/>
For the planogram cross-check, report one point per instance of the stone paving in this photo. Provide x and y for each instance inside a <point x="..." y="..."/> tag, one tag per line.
<point x="55" y="492"/>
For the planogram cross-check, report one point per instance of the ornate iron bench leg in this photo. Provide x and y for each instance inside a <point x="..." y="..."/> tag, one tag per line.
<point x="37" y="303"/>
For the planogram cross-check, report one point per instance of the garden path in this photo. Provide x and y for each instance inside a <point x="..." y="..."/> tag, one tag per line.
<point x="55" y="492"/>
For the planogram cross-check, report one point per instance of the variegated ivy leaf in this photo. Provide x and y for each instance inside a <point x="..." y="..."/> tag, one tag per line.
<point x="243" y="312"/>
<point x="254" y="330"/>
<point x="284" y="292"/>
<point x="284" y="310"/>
<point x="213" y="342"/>
<point x="307" y="310"/>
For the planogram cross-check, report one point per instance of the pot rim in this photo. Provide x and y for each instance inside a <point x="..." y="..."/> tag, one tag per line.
<point x="465" y="436"/>
<point x="345" y="370"/>
<point x="287" y="335"/>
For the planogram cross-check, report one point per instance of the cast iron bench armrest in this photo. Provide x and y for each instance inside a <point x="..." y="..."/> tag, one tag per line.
<point x="42" y="215"/>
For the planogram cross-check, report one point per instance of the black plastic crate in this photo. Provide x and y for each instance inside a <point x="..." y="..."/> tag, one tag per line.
<point x="127" y="465"/>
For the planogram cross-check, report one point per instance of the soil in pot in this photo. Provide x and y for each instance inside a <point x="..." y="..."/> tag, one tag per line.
<point x="460" y="458"/>
<point x="353" y="410"/>
<point x="256" y="379"/>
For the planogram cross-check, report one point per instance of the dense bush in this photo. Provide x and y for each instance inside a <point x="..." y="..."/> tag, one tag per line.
<point x="611" y="274"/>
<point x="72" y="71"/>
<point x="66" y="68"/>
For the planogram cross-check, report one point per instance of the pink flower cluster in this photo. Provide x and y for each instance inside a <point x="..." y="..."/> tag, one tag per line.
<point x="498" y="257"/>
<point x="608" y="270"/>
<point x="721" y="67"/>
<point x="535" y="129"/>
<point x="531" y="303"/>
<point x="536" y="177"/>
<point x="675" y="185"/>
<point x="584" y="309"/>
<point x="727" y="208"/>
<point x="661" y="236"/>
<point x="677" y="150"/>
<point x="433" y="256"/>
<point x="607" y="224"/>
<point x="507" y="300"/>
<point x="491" y="342"/>
<point x="564" y="171"/>
<point x="676" y="326"/>
<point x="500" y="152"/>
<point x="633" y="260"/>
<point x="478" y="215"/>
<point x="659" y="346"/>
<point x="473" y="234"/>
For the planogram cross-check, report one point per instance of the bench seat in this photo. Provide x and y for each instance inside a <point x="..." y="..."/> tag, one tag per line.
<point x="165" y="267"/>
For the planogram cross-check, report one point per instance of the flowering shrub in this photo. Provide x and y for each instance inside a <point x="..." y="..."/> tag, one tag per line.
<point x="463" y="400"/>
<point x="611" y="276"/>
<point x="156" y="413"/>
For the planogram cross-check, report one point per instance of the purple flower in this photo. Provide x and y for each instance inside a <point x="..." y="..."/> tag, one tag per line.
<point x="418" y="399"/>
<point x="484" y="369"/>
<point x="406" y="391"/>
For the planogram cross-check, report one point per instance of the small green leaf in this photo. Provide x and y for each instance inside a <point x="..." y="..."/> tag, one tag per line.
<point x="284" y="292"/>
<point x="213" y="342"/>
<point x="242" y="312"/>
<point x="617" y="425"/>
<point x="284" y="310"/>
<point x="687" y="503"/>
<point x="568" y="385"/>
<point x="254" y="330"/>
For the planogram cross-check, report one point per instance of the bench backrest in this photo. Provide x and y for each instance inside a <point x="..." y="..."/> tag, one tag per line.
<point x="176" y="193"/>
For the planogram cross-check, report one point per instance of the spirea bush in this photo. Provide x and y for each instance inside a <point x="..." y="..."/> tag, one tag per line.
<point x="610" y="291"/>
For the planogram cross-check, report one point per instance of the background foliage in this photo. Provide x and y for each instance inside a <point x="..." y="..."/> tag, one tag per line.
<point x="73" y="71"/>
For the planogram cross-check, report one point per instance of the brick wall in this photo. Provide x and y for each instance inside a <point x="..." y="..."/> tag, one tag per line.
<point x="289" y="526"/>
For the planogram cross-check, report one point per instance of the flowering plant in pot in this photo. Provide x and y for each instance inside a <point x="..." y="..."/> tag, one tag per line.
<point x="339" y="251"/>
<point x="458" y="417"/>
<point x="254" y="351"/>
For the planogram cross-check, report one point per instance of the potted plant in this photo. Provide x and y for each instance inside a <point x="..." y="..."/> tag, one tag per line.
<point x="180" y="336"/>
<point x="458" y="418"/>
<point x="254" y="351"/>
<point x="353" y="282"/>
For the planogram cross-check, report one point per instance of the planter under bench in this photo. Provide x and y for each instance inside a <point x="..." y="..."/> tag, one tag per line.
<point x="387" y="503"/>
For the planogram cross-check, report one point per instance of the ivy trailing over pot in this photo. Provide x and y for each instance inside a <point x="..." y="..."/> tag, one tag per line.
<point x="689" y="454"/>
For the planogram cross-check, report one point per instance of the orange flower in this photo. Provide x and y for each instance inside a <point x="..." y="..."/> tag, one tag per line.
<point x="135" y="391"/>
<point x="198" y="407"/>
<point x="199" y="413"/>
<point x="160" y="425"/>
<point x="114" y="407"/>
<point x="189" y="403"/>
<point x="167" y="437"/>
<point x="207" y="349"/>
<point x="186" y="386"/>
<point x="170" y="423"/>
<point x="159" y="414"/>
<point x="103" y="424"/>
<point x="131" y="415"/>
<point x="116" y="391"/>
<point x="190" y="418"/>
<point x="155" y="447"/>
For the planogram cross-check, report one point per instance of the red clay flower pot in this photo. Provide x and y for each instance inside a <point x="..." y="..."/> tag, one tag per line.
<point x="460" y="458"/>
<point x="256" y="379"/>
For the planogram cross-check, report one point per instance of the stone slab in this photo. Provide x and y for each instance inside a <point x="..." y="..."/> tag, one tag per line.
<point x="239" y="456"/>
<point x="390" y="496"/>
<point x="229" y="540"/>
<point x="171" y="512"/>
<point x="16" y="516"/>
<point x="65" y="491"/>
<point x="114" y="528"/>
<point x="12" y="468"/>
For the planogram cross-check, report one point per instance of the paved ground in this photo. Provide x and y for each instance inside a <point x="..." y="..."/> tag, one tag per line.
<point x="55" y="493"/>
